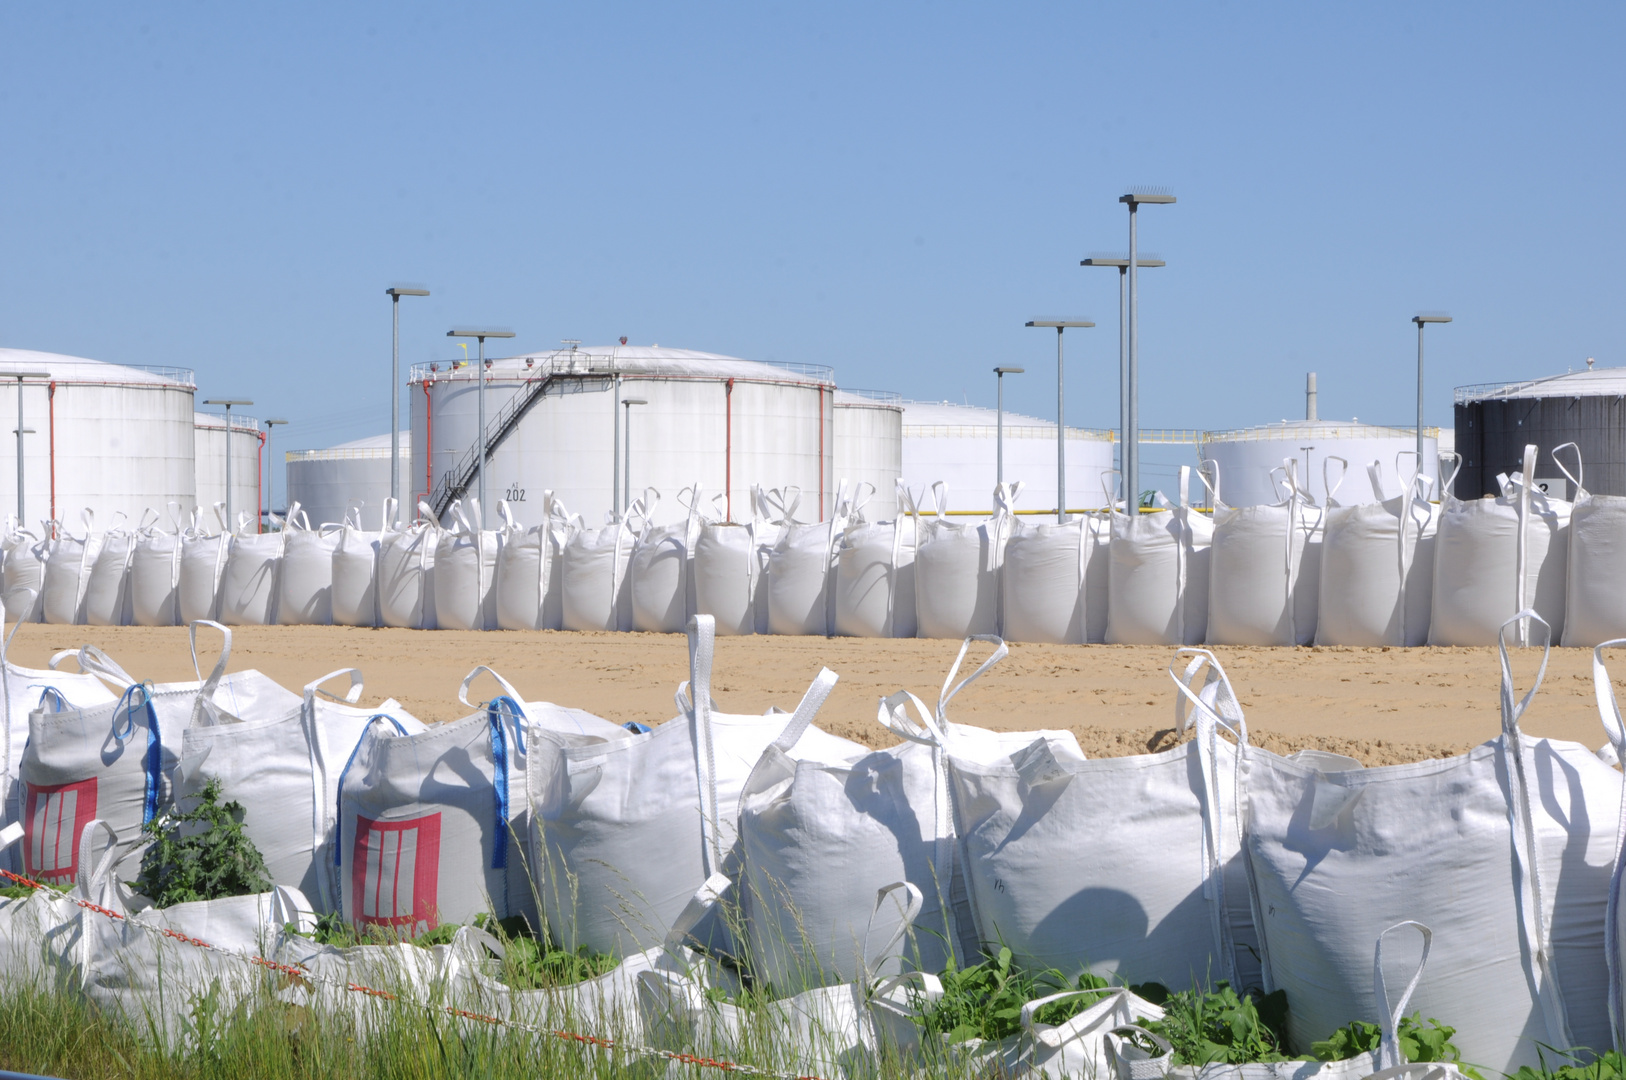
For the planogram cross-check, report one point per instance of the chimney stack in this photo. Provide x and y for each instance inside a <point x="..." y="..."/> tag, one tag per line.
<point x="1309" y="397"/>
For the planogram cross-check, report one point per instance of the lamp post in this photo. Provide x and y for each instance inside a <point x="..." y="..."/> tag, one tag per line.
<point x="626" y="458"/>
<point x="394" y="293"/>
<point x="21" y="431"/>
<point x="270" y="467"/>
<point x="480" y="373"/>
<point x="1122" y="266"/>
<point x="228" y="403"/>
<point x="1132" y="429"/>
<point x="999" y="428"/>
<point x="1061" y="426"/>
<point x="1422" y="321"/>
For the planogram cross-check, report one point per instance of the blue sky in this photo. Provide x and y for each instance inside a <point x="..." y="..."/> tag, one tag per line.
<point x="890" y="189"/>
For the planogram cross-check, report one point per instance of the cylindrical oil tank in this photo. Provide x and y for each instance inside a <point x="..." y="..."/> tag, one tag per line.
<point x="328" y="482"/>
<point x="558" y="421"/>
<point x="869" y="445"/>
<point x="1247" y="456"/>
<point x="108" y="437"/>
<point x="1495" y="422"/>
<point x="957" y="445"/>
<point x="246" y="441"/>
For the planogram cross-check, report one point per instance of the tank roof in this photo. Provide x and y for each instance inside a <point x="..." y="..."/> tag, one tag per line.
<point x="948" y="415"/>
<point x="72" y="369"/>
<point x="642" y="360"/>
<point x="1289" y="430"/>
<point x="1593" y="382"/>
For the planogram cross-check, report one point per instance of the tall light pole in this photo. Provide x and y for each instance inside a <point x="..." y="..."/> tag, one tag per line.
<point x="270" y="467"/>
<point x="999" y="428"/>
<point x="1061" y="401"/>
<point x="228" y="403"/>
<point x="1122" y="266"/>
<point x="626" y="458"/>
<point x="1132" y="429"/>
<point x="394" y="293"/>
<point x="1422" y="321"/>
<point x="21" y="431"/>
<point x="480" y="373"/>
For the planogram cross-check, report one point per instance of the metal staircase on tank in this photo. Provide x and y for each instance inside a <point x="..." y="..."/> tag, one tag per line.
<point x="566" y="371"/>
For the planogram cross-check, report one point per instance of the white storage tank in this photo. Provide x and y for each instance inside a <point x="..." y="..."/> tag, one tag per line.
<point x="552" y="420"/>
<point x="1246" y="457"/>
<point x="109" y="437"/>
<point x="327" y="482"/>
<point x="869" y="445"/>
<point x="956" y="444"/>
<point x="209" y="433"/>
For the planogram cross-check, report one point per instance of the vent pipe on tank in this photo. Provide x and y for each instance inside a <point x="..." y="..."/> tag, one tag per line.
<point x="1309" y="396"/>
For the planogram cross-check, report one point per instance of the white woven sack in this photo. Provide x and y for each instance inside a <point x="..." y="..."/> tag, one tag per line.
<point x="1510" y="845"/>
<point x="39" y="932"/>
<point x="660" y="584"/>
<point x="430" y="827"/>
<point x="1060" y="874"/>
<point x="355" y="569"/>
<point x="22" y="572"/>
<point x="69" y="560"/>
<point x="1055" y="581"/>
<point x="305" y="580"/>
<point x="203" y="565"/>
<point x="409" y="975"/>
<point x="957" y="568"/>
<point x="800" y="564"/>
<point x="823" y="835"/>
<point x="1496" y="556"/>
<point x="155" y="574"/>
<point x="466" y="572"/>
<point x="1158" y="581"/>
<point x="629" y="829"/>
<point x="1595" y="596"/>
<point x="107" y="590"/>
<point x="406" y="573"/>
<point x="730" y="574"/>
<point x="594" y="593"/>
<point x="875" y="575"/>
<point x="530" y="568"/>
<point x="248" y="588"/>
<point x="1377" y="566"/>
<point x="1264" y="572"/>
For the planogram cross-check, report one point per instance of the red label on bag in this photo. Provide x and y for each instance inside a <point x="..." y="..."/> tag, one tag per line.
<point x="51" y="826"/>
<point x="395" y="874"/>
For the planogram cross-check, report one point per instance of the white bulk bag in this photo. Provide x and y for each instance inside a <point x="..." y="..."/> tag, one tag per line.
<point x="1158" y="581"/>
<point x="425" y="833"/>
<point x="1377" y="566"/>
<point x="594" y="593"/>
<point x="1495" y="556"/>
<point x="800" y="562"/>
<point x="1264" y="571"/>
<point x="1511" y="846"/>
<point x="730" y="573"/>
<point x="22" y="572"/>
<point x="628" y="829"/>
<point x="355" y="569"/>
<point x="305" y="580"/>
<point x="1061" y="874"/>
<point x="155" y="574"/>
<point x="822" y="836"/>
<point x="530" y="568"/>
<point x="203" y="565"/>
<point x="248" y="588"/>
<point x="875" y="576"/>
<point x="466" y="572"/>
<point x="1595" y="598"/>
<point x="957" y="568"/>
<point x="406" y="573"/>
<point x="68" y="562"/>
<point x="107" y="590"/>
<point x="1055" y="581"/>
<point x="660" y="584"/>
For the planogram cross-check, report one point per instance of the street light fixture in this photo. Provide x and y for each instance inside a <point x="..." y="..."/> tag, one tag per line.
<point x="1061" y="427"/>
<point x="1422" y="321"/>
<point x="271" y="467"/>
<point x="21" y="431"/>
<point x="1131" y="450"/>
<point x="1122" y="266"/>
<point x="228" y="403"/>
<point x="999" y="438"/>
<point x="626" y="458"/>
<point x="395" y="293"/>
<point x="480" y="373"/>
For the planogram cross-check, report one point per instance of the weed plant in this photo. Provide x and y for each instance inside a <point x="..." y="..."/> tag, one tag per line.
<point x="200" y="854"/>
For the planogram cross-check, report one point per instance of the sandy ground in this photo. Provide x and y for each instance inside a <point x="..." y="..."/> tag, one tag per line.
<point x="1378" y="705"/>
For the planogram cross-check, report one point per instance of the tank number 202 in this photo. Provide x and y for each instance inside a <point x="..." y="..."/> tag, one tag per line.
<point x="514" y="494"/>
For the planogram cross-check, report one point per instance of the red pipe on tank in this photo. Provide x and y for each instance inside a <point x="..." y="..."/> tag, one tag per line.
<point x="51" y="397"/>
<point x="728" y="451"/>
<point x="259" y="467"/>
<point x="821" y="453"/>
<point x="428" y="441"/>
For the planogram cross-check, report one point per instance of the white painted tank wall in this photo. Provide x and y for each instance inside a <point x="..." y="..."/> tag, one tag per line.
<point x="327" y="482"/>
<point x="118" y="439"/>
<point x="782" y="433"/>
<point x="1246" y="457"/>
<point x="957" y="444"/>
<point x="210" y="440"/>
<point x="869" y="448"/>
